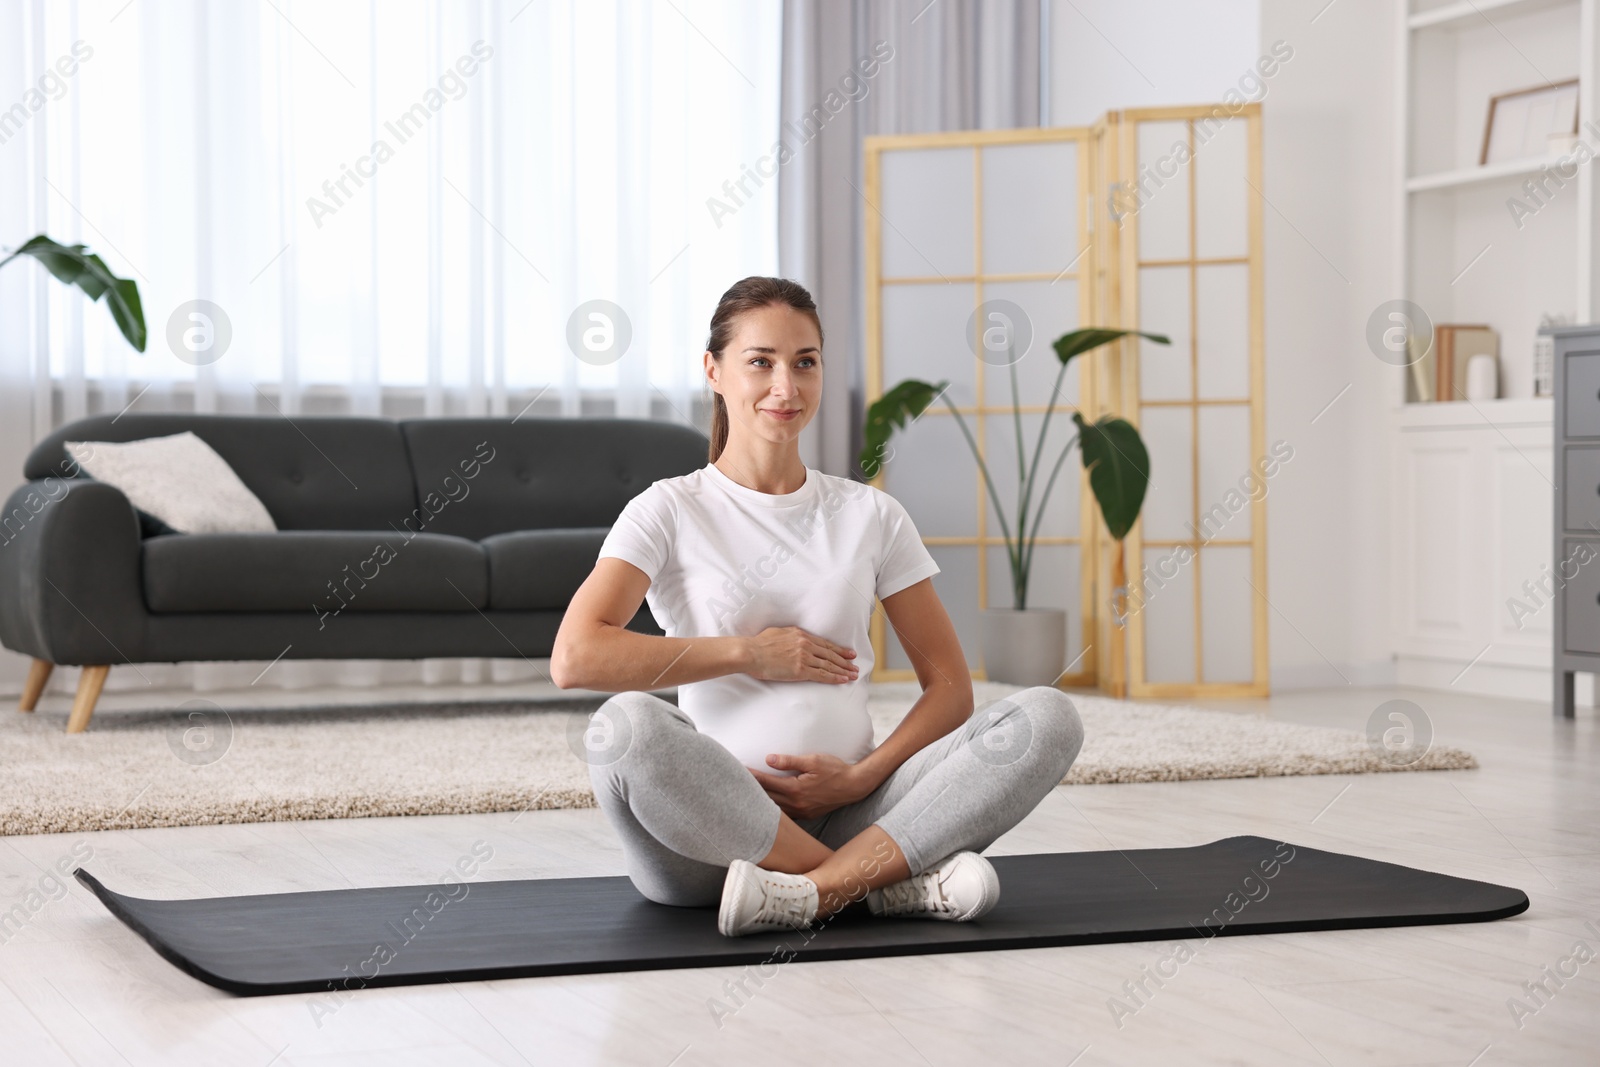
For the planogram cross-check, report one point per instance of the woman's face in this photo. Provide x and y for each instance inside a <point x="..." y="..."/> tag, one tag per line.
<point x="773" y="363"/>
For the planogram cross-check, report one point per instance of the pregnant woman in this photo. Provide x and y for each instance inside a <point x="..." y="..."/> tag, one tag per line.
<point x="761" y="789"/>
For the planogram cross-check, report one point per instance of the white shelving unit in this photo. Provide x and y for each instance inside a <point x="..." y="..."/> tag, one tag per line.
<point x="1484" y="172"/>
<point x="1464" y="12"/>
<point x="1460" y="253"/>
<point x="1471" y="482"/>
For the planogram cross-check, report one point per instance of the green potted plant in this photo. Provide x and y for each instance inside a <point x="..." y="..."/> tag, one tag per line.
<point x="1022" y="645"/>
<point x="75" y="265"/>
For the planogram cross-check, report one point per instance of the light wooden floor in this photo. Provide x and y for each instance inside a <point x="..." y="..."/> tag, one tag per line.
<point x="78" y="987"/>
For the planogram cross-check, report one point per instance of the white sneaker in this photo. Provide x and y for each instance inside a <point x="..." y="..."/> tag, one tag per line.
<point x="755" y="899"/>
<point x="962" y="887"/>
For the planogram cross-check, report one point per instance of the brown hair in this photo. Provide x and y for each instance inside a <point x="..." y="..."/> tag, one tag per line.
<point x="748" y="294"/>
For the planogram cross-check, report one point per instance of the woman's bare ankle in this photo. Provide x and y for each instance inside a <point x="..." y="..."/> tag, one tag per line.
<point x="833" y="896"/>
<point x="794" y="851"/>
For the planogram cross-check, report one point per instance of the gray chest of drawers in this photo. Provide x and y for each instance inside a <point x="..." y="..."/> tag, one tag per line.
<point x="1575" y="563"/>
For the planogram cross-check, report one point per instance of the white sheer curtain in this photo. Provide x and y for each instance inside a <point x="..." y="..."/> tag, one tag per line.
<point x="396" y="206"/>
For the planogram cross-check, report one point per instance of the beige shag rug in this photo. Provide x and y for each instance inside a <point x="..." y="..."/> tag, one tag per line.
<point x="201" y="764"/>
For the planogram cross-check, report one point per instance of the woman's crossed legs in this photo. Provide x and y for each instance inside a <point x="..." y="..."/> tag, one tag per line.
<point x="685" y="808"/>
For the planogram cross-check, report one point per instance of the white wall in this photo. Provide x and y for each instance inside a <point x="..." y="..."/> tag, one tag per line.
<point x="1327" y="132"/>
<point x="1328" y="142"/>
<point x="1107" y="54"/>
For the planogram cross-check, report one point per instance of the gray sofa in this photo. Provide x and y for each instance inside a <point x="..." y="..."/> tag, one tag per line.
<point x="397" y="539"/>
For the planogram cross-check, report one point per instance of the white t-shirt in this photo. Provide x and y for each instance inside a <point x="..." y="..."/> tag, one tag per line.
<point x="726" y="560"/>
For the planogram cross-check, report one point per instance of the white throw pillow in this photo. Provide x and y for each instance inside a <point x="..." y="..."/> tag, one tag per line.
<point x="179" y="479"/>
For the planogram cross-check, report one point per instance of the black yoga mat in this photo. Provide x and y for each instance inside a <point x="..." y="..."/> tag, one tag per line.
<point x="469" y="931"/>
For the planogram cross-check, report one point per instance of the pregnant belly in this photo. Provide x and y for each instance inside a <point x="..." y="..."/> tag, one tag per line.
<point x="787" y="718"/>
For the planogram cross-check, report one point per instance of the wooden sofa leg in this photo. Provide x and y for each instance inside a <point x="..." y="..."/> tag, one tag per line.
<point x="89" y="686"/>
<point x="38" y="675"/>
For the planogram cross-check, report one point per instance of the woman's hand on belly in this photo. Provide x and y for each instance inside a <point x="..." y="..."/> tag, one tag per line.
<point x="790" y="654"/>
<point x="825" y="782"/>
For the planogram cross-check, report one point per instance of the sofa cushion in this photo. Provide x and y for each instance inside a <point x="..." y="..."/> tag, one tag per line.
<point x="178" y="480"/>
<point x="533" y="570"/>
<point x="478" y="477"/>
<point x="312" y="472"/>
<point x="312" y="570"/>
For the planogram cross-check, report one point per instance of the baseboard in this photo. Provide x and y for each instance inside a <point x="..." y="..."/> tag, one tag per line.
<point x="1488" y="679"/>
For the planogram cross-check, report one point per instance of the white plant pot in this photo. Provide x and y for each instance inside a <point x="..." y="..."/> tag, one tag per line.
<point x="1027" y="647"/>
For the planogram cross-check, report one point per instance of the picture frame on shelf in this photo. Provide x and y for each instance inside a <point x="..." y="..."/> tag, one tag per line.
<point x="1520" y="123"/>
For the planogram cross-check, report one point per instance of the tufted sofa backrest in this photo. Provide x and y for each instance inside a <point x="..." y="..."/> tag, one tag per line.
<point x="466" y="476"/>
<point x="477" y="477"/>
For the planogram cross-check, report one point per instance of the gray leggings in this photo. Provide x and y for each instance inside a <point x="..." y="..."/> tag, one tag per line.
<point x="685" y="807"/>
